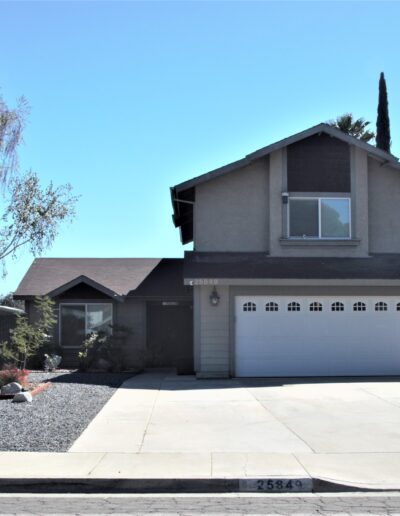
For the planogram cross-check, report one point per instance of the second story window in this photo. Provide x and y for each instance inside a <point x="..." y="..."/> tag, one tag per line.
<point x="319" y="217"/>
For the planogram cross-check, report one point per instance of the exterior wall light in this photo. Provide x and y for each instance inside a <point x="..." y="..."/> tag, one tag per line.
<point x="214" y="297"/>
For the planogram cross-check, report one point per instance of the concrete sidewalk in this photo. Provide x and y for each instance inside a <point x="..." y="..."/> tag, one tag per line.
<point x="223" y="471"/>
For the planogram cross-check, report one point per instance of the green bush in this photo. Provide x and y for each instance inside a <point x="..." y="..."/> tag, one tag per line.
<point x="26" y="339"/>
<point x="99" y="346"/>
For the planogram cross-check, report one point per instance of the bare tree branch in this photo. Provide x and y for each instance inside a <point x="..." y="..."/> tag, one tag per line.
<point x="12" y="123"/>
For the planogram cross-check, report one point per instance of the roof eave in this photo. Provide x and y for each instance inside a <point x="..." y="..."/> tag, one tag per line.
<point x="249" y="158"/>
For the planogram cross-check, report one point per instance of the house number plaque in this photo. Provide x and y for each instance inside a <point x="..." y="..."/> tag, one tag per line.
<point x="276" y="485"/>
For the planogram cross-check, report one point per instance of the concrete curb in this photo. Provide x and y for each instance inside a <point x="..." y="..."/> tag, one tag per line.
<point x="178" y="485"/>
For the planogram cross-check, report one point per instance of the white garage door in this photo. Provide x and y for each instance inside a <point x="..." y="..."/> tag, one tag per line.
<point x="317" y="336"/>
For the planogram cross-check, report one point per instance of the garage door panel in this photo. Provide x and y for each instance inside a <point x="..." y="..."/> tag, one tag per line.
<point x="314" y="343"/>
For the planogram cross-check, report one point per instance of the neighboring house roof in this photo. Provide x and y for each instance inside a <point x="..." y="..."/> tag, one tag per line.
<point x="10" y="310"/>
<point x="262" y="266"/>
<point x="114" y="276"/>
<point x="183" y="196"/>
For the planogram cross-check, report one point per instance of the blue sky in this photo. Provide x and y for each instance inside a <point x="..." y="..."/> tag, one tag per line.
<point x="130" y="98"/>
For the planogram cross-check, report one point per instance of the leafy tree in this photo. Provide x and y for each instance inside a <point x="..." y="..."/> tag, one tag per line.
<point x="354" y="127"/>
<point x="382" y="121"/>
<point x="8" y="300"/>
<point x="26" y="339"/>
<point x="30" y="215"/>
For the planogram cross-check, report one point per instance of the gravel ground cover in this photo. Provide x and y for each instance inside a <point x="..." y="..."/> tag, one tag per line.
<point x="58" y="415"/>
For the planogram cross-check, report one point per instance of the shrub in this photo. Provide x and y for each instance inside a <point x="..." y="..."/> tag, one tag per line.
<point x="91" y="350"/>
<point x="101" y="346"/>
<point x="26" y="339"/>
<point x="14" y="375"/>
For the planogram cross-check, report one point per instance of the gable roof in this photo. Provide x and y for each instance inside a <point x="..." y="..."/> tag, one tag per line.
<point x="87" y="281"/>
<point x="114" y="276"/>
<point x="183" y="194"/>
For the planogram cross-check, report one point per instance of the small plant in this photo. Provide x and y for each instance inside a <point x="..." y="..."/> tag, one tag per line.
<point x="14" y="375"/>
<point x="26" y="339"/>
<point x="91" y="349"/>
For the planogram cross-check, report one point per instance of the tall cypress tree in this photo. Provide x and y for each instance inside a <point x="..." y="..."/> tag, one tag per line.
<point x="382" y="121"/>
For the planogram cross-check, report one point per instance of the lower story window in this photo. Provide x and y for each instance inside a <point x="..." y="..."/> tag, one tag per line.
<point x="78" y="320"/>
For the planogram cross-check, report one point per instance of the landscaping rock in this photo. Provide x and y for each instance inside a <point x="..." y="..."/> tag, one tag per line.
<point x="11" y="388"/>
<point x="59" y="414"/>
<point x="22" y="397"/>
<point x="51" y="362"/>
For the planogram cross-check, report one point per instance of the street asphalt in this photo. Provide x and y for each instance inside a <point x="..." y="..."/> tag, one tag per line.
<point x="338" y="504"/>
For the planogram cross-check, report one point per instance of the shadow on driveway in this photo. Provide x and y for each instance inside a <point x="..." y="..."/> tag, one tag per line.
<point x="173" y="382"/>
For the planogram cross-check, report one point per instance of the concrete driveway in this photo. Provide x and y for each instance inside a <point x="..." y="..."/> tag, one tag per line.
<point x="159" y="412"/>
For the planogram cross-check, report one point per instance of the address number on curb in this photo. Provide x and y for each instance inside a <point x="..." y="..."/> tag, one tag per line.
<point x="276" y="485"/>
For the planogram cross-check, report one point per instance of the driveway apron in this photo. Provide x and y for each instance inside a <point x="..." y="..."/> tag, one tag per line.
<point x="161" y="412"/>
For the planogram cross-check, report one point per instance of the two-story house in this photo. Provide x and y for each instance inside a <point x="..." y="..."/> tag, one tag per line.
<point x="296" y="262"/>
<point x="295" y="270"/>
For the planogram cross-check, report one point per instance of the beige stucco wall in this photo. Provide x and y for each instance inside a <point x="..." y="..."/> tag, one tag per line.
<point x="277" y="185"/>
<point x="384" y="208"/>
<point x="242" y="211"/>
<point x="359" y="198"/>
<point x="231" y="212"/>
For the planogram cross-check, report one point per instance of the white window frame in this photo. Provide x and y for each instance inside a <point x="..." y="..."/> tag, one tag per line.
<point x="86" y="318"/>
<point x="319" y="199"/>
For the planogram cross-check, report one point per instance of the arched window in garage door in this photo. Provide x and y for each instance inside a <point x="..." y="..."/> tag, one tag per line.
<point x="337" y="306"/>
<point x="381" y="306"/>
<point x="249" y="307"/>
<point x="271" y="307"/>
<point x="294" y="306"/>
<point x="315" y="307"/>
<point x="359" y="307"/>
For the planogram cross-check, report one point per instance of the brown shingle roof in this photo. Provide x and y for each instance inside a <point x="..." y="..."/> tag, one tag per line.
<point x="119" y="275"/>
